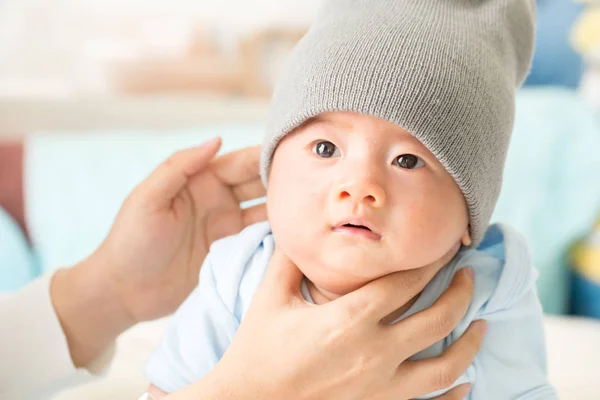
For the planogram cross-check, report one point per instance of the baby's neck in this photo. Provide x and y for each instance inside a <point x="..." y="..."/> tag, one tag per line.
<point x="320" y="296"/>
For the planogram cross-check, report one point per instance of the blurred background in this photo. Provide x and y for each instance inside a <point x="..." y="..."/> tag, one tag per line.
<point x="101" y="91"/>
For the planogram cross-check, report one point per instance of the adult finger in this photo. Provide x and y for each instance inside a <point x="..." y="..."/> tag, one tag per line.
<point x="239" y="166"/>
<point x="416" y="378"/>
<point x="226" y="222"/>
<point x="431" y="325"/>
<point x="249" y="190"/>
<point x="171" y="176"/>
<point x="282" y="278"/>
<point x="254" y="214"/>
<point x="379" y="298"/>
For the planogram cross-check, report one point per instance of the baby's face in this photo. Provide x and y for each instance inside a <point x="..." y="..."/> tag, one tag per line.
<point x="352" y="198"/>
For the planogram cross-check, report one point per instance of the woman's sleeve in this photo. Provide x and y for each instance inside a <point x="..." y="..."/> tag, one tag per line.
<point x="35" y="361"/>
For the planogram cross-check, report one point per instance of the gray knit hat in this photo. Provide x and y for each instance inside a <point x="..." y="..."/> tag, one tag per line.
<point x="444" y="70"/>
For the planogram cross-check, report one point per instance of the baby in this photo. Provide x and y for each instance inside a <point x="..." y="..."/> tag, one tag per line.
<point x="384" y="152"/>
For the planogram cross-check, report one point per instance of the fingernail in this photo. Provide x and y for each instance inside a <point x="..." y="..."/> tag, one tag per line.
<point x="480" y="325"/>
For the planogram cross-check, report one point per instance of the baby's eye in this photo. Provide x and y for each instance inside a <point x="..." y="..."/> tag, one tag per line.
<point x="326" y="149"/>
<point x="409" y="161"/>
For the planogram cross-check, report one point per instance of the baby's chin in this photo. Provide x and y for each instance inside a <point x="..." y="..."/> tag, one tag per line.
<point x="341" y="271"/>
<point x="334" y="281"/>
<point x="332" y="290"/>
<point x="339" y="275"/>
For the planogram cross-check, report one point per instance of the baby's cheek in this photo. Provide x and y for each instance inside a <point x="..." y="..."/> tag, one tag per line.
<point x="423" y="233"/>
<point x="291" y="227"/>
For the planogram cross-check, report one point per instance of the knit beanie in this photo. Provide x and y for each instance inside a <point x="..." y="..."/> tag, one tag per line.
<point x="444" y="70"/>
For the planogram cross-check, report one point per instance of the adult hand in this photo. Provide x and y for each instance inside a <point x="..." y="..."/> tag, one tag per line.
<point x="150" y="260"/>
<point x="163" y="232"/>
<point x="288" y="348"/>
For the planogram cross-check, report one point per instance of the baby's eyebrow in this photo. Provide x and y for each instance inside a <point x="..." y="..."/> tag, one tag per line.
<point x="316" y="122"/>
<point x="320" y="119"/>
<point x="408" y="138"/>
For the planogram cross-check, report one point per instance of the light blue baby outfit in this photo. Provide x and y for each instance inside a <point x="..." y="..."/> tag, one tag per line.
<point x="510" y="365"/>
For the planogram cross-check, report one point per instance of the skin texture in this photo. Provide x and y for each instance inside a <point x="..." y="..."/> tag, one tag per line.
<point x="419" y="215"/>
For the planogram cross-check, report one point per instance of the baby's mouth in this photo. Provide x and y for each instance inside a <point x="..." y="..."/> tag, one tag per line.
<point x="357" y="228"/>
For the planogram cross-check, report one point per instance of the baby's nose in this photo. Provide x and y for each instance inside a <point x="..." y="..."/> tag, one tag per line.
<point x="363" y="190"/>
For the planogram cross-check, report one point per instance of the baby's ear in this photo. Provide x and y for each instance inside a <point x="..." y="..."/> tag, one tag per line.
<point x="466" y="238"/>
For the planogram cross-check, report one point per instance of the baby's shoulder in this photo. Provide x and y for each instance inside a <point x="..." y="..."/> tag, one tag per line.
<point x="238" y="264"/>
<point x="503" y="269"/>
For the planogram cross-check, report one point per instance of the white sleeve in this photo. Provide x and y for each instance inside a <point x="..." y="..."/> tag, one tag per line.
<point x="36" y="362"/>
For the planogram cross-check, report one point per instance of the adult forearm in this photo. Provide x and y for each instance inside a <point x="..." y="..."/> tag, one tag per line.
<point x="89" y="311"/>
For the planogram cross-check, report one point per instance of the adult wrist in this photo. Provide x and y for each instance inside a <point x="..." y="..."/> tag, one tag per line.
<point x="216" y="386"/>
<point x="90" y="314"/>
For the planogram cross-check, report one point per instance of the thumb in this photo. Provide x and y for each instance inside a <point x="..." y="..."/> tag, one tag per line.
<point x="172" y="175"/>
<point x="283" y="276"/>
